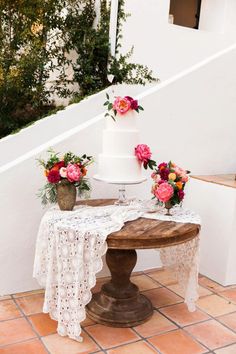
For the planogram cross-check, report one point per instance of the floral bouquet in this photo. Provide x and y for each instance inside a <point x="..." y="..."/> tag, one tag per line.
<point x="169" y="183"/>
<point x="121" y="105"/>
<point x="67" y="173"/>
<point x="143" y="154"/>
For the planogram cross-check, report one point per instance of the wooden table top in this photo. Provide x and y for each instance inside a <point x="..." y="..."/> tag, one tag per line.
<point x="146" y="233"/>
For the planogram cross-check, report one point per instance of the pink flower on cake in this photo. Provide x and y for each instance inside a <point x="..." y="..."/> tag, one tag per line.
<point x="164" y="192"/>
<point x="133" y="103"/>
<point x="143" y="153"/>
<point x="73" y="173"/>
<point x="121" y="105"/>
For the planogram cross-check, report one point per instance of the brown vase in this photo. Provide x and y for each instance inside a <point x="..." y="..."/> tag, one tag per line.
<point x="66" y="195"/>
<point x="168" y="206"/>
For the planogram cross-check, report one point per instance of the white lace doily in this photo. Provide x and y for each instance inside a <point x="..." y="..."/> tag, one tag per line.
<point x="69" y="251"/>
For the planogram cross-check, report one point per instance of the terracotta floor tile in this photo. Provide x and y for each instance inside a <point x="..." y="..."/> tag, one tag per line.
<point x="43" y="324"/>
<point x="28" y="293"/>
<point x="180" y="314"/>
<point x="9" y="310"/>
<point x="227" y="350"/>
<point x="87" y="322"/>
<point x="212" y="334"/>
<point x="156" y="325"/>
<point x="13" y="331"/>
<point x="176" y="342"/>
<point x="210" y="284"/>
<point x="108" y="337"/>
<point x="179" y="291"/>
<point x="164" y="276"/>
<point x="134" y="348"/>
<point x="215" y="305"/>
<point x="229" y="320"/>
<point x="162" y="297"/>
<point x="143" y="282"/>
<point x="31" y="304"/>
<point x="30" y="347"/>
<point x="56" y="344"/>
<point x="229" y="294"/>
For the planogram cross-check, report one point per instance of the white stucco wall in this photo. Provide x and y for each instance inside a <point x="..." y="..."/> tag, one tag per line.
<point x="218" y="16"/>
<point x="167" y="49"/>
<point x="217" y="206"/>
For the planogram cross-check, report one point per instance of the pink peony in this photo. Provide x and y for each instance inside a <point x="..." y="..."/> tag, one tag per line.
<point x="121" y="105"/>
<point x="73" y="172"/>
<point x="143" y="153"/>
<point x="53" y="176"/>
<point x="164" y="192"/>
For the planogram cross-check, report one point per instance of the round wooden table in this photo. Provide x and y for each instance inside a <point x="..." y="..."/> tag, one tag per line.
<point x="119" y="303"/>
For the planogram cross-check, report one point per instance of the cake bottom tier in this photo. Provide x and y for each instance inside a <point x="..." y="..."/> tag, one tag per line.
<point x="119" y="168"/>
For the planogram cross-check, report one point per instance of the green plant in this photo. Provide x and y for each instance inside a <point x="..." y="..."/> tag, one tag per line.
<point x="91" y="43"/>
<point x="28" y="48"/>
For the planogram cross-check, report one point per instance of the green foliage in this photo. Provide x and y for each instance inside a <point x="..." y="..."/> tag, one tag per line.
<point x="27" y="55"/>
<point x="48" y="194"/>
<point x="91" y="43"/>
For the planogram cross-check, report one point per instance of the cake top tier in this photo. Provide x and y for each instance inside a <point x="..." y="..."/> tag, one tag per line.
<point x="127" y="121"/>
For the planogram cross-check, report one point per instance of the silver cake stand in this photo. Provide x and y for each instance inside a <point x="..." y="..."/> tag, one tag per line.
<point x="122" y="199"/>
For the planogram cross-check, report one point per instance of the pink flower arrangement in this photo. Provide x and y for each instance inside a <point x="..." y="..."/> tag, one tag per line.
<point x="68" y="169"/>
<point x="169" y="182"/>
<point x="164" y="192"/>
<point x="143" y="154"/>
<point x="121" y="105"/>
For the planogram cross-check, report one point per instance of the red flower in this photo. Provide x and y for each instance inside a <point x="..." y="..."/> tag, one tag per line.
<point x="58" y="165"/>
<point x="53" y="176"/>
<point x="133" y="103"/>
<point x="181" y="194"/>
<point x="164" y="173"/>
<point x="162" y="165"/>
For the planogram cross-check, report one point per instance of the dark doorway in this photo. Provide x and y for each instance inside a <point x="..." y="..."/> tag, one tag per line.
<point x="186" y="12"/>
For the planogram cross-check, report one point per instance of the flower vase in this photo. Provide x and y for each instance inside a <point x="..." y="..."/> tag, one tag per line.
<point x="66" y="195"/>
<point x="168" y="206"/>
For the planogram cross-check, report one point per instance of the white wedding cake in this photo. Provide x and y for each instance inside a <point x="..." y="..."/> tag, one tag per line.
<point x="117" y="162"/>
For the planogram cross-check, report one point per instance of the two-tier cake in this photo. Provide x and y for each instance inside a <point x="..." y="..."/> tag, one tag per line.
<point x="117" y="162"/>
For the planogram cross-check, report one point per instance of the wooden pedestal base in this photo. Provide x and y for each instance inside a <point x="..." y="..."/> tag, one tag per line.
<point x="119" y="304"/>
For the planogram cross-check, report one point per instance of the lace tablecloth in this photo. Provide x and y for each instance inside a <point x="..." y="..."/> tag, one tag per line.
<point x="69" y="251"/>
